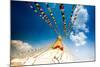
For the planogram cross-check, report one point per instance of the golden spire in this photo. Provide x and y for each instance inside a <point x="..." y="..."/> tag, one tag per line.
<point x="58" y="43"/>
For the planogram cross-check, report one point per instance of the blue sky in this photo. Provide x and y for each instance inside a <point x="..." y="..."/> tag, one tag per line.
<point x="29" y="27"/>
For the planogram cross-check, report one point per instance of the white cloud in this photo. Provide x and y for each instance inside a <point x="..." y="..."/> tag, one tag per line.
<point x="82" y="17"/>
<point x="20" y="49"/>
<point x="20" y="45"/>
<point x="79" y="38"/>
